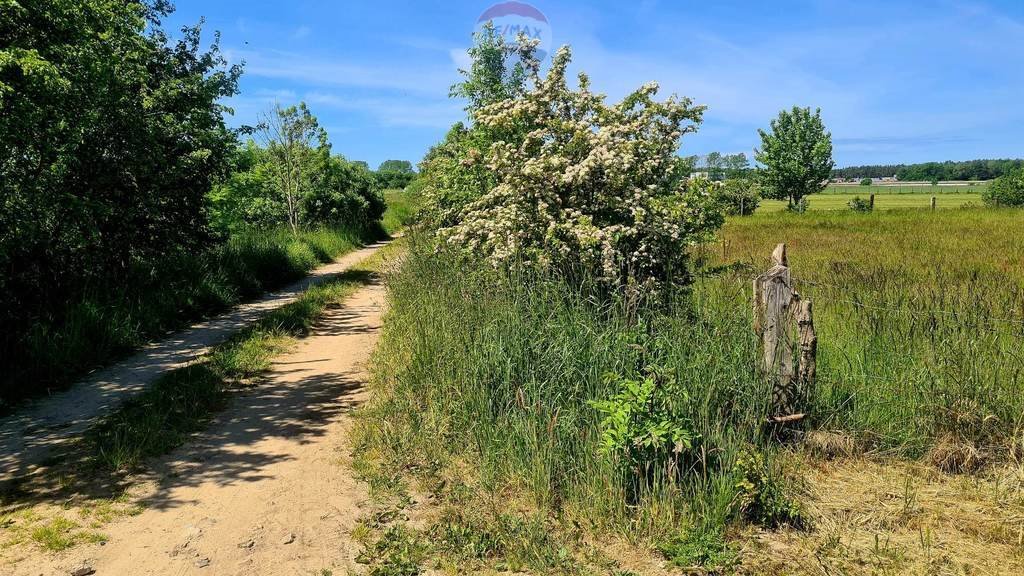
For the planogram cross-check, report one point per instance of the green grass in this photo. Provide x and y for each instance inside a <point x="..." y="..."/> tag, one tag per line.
<point x="402" y="208"/>
<point x="496" y="375"/>
<point x="883" y="201"/>
<point x="110" y="321"/>
<point x="920" y="318"/>
<point x="485" y="385"/>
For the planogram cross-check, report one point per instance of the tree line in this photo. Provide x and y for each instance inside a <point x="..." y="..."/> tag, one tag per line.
<point x="929" y="171"/>
<point x="115" y="159"/>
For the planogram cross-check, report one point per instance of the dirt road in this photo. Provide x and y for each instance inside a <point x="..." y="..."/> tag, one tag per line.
<point x="29" y="437"/>
<point x="265" y="489"/>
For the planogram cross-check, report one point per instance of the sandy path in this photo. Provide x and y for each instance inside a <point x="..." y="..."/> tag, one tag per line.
<point x="29" y="436"/>
<point x="265" y="489"/>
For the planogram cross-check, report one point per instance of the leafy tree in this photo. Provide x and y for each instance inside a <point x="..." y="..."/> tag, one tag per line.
<point x="1007" y="190"/>
<point x="297" y="153"/>
<point x="111" y="134"/>
<point x="499" y="70"/>
<point x="715" y="164"/>
<point x="400" y="166"/>
<point x="866" y="182"/>
<point x="796" y="156"/>
<point x="736" y="165"/>
<point x="738" y="196"/>
<point x="395" y="173"/>
<point x="452" y="174"/>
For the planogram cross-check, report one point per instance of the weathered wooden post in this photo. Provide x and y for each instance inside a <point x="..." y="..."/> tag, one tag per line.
<point x="872" y="202"/>
<point x="933" y="202"/>
<point x="778" y="309"/>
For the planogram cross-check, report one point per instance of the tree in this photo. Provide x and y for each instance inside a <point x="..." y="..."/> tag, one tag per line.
<point x="738" y="196"/>
<point x="400" y="166"/>
<point x="586" y="192"/>
<point x="499" y="70"/>
<point x="796" y="156"/>
<point x="452" y="174"/>
<point x="1007" y="190"/>
<point x="297" y="151"/>
<point x="395" y="173"/>
<point x="714" y="163"/>
<point x="111" y="134"/>
<point x="736" y="165"/>
<point x="866" y="181"/>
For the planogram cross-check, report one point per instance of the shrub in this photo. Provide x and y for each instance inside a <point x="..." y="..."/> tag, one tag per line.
<point x="859" y="204"/>
<point x="580" y="187"/>
<point x="762" y="493"/>
<point x="738" y="196"/>
<point x="644" y="425"/>
<point x="1007" y="190"/>
<point x="866" y="182"/>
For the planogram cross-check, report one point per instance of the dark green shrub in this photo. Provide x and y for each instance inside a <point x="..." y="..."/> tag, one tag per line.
<point x="1007" y="190"/>
<point x="859" y="204"/>
<point x="866" y="182"/>
<point x="738" y="196"/>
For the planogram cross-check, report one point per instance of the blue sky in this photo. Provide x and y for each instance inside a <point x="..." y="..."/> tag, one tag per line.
<point x="897" y="81"/>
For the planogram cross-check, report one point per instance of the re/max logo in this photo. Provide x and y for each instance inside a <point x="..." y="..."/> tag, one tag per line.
<point x="514" y="30"/>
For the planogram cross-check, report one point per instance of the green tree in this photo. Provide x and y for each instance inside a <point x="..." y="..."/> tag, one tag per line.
<point x="395" y="173"/>
<point x="499" y="70"/>
<point x="736" y="165"/>
<point x="795" y="155"/>
<point x="714" y="163"/>
<point x="111" y="134"/>
<point x="297" y="152"/>
<point x="452" y="174"/>
<point x="1007" y="190"/>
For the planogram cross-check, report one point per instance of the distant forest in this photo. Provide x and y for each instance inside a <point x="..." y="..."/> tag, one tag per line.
<point x="967" y="170"/>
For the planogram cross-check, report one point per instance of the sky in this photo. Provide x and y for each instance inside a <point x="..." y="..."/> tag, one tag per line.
<point x="896" y="81"/>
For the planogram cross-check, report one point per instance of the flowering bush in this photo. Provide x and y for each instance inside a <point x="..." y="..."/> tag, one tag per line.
<point x="578" y="186"/>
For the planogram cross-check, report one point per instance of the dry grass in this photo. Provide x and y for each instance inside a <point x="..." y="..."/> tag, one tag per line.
<point x="897" y="518"/>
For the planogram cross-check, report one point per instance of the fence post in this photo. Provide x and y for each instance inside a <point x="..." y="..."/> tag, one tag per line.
<point x="872" y="201"/>
<point x="777" y="310"/>
<point x="933" y="202"/>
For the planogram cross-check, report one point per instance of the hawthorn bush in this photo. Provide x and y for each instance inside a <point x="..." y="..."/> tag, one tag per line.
<point x="577" y="187"/>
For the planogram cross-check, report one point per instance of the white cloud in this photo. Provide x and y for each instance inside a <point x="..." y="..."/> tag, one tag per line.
<point x="391" y="111"/>
<point x="406" y="76"/>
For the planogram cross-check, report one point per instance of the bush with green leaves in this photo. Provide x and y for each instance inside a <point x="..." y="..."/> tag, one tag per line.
<point x="763" y="492"/>
<point x="1007" y="190"/>
<point x="866" y="182"/>
<point x="645" y="426"/>
<point x="858" y="204"/>
<point x="738" y="196"/>
<point x="582" y="188"/>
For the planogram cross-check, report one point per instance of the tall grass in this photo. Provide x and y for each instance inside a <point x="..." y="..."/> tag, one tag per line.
<point x="498" y="374"/>
<point x="920" y="319"/>
<point x="110" y="320"/>
<point x="402" y="208"/>
<point x="480" y="375"/>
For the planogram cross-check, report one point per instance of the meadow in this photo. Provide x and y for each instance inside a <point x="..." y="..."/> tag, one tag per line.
<point x="494" y="392"/>
<point x="839" y="199"/>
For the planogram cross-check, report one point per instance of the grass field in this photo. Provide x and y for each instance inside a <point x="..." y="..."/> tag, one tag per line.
<point x="487" y="388"/>
<point x="883" y="200"/>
